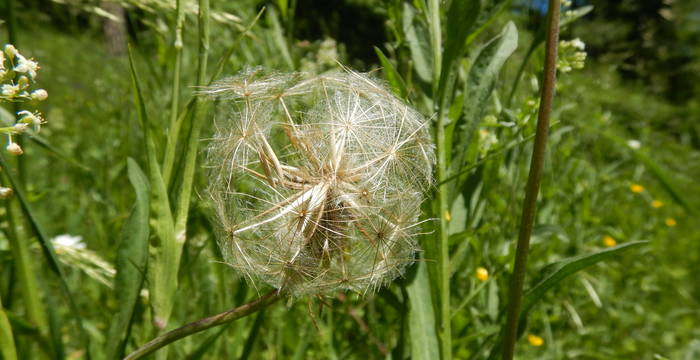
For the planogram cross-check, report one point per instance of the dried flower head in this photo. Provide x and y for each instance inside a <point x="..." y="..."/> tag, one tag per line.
<point x="317" y="182"/>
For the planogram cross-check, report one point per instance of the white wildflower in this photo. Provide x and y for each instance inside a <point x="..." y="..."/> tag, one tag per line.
<point x="34" y="119"/>
<point x="634" y="144"/>
<point x="9" y="90"/>
<point x="70" y="241"/>
<point x="27" y="66"/>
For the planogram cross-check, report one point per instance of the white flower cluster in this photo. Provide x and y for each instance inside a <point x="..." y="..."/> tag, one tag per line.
<point x="317" y="182"/>
<point x="572" y="55"/>
<point x="17" y="73"/>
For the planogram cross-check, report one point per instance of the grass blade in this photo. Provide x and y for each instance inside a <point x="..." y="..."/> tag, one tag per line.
<point x="162" y="280"/>
<point x="395" y="80"/>
<point x="461" y="17"/>
<point x="417" y="42"/>
<point x="7" y="341"/>
<point x="421" y="317"/>
<point x="556" y="272"/>
<point x="132" y="256"/>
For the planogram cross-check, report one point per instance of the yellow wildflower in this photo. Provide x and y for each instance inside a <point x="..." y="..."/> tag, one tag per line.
<point x="636" y="188"/>
<point x="535" y="340"/>
<point x="609" y="241"/>
<point x="671" y="222"/>
<point x="657" y="204"/>
<point x="482" y="274"/>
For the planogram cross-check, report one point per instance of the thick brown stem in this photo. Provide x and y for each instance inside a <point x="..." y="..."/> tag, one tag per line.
<point x="533" y="181"/>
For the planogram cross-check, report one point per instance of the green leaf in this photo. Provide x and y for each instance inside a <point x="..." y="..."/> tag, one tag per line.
<point x="554" y="273"/>
<point x="163" y="270"/>
<point x="132" y="257"/>
<point x="478" y="88"/>
<point x="278" y="37"/>
<point x="461" y="17"/>
<point x="421" y="317"/>
<point x="7" y="341"/>
<point x="395" y="81"/>
<point x="417" y="38"/>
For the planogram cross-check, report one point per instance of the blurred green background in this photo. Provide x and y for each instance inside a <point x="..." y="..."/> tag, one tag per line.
<point x="622" y="165"/>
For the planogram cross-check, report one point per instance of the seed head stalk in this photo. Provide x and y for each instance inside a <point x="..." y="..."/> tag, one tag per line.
<point x="205" y="323"/>
<point x="533" y="181"/>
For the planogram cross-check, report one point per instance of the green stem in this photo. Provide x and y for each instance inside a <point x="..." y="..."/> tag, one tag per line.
<point x="174" y="129"/>
<point x="185" y="194"/>
<point x="435" y="42"/>
<point x="206" y="323"/>
<point x="443" y="201"/>
<point x="533" y="182"/>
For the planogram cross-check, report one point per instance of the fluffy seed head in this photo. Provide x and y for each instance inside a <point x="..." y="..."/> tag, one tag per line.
<point x="317" y="181"/>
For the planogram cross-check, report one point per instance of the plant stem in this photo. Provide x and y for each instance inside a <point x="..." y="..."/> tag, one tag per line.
<point x="206" y="323"/>
<point x="174" y="125"/>
<point x="533" y="181"/>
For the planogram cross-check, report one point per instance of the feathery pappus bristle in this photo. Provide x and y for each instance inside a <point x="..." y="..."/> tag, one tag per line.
<point x="317" y="181"/>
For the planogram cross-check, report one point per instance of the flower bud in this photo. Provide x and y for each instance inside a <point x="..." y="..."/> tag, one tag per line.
<point x="11" y="51"/>
<point x="14" y="149"/>
<point x="23" y="82"/>
<point x="39" y="95"/>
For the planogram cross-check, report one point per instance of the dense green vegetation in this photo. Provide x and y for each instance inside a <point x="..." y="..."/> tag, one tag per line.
<point x="613" y="267"/>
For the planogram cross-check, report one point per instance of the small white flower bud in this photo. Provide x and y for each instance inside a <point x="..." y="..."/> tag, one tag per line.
<point x="23" y="81"/>
<point x="14" y="149"/>
<point x="39" y="95"/>
<point x="11" y="51"/>
<point x="5" y="193"/>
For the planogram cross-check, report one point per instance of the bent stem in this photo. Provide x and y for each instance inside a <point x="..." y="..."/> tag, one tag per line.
<point x="533" y="182"/>
<point x="206" y="323"/>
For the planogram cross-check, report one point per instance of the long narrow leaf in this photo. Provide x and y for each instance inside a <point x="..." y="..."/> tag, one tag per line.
<point x="478" y="88"/>
<point x="162" y="280"/>
<point x="395" y="80"/>
<point x="7" y="341"/>
<point x="132" y="256"/>
<point x="558" y="271"/>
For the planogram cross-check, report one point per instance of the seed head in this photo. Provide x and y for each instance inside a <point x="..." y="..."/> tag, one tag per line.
<point x="317" y="182"/>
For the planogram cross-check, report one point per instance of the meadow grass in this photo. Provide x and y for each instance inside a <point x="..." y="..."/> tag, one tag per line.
<point x="120" y="163"/>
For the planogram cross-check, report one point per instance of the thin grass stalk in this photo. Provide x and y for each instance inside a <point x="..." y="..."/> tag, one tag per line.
<point x="533" y="182"/>
<point x="174" y="125"/>
<point x="169" y="161"/>
<point x="25" y="269"/>
<point x="442" y="191"/>
<point x="7" y="341"/>
<point x="206" y="323"/>
<point x="185" y="194"/>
